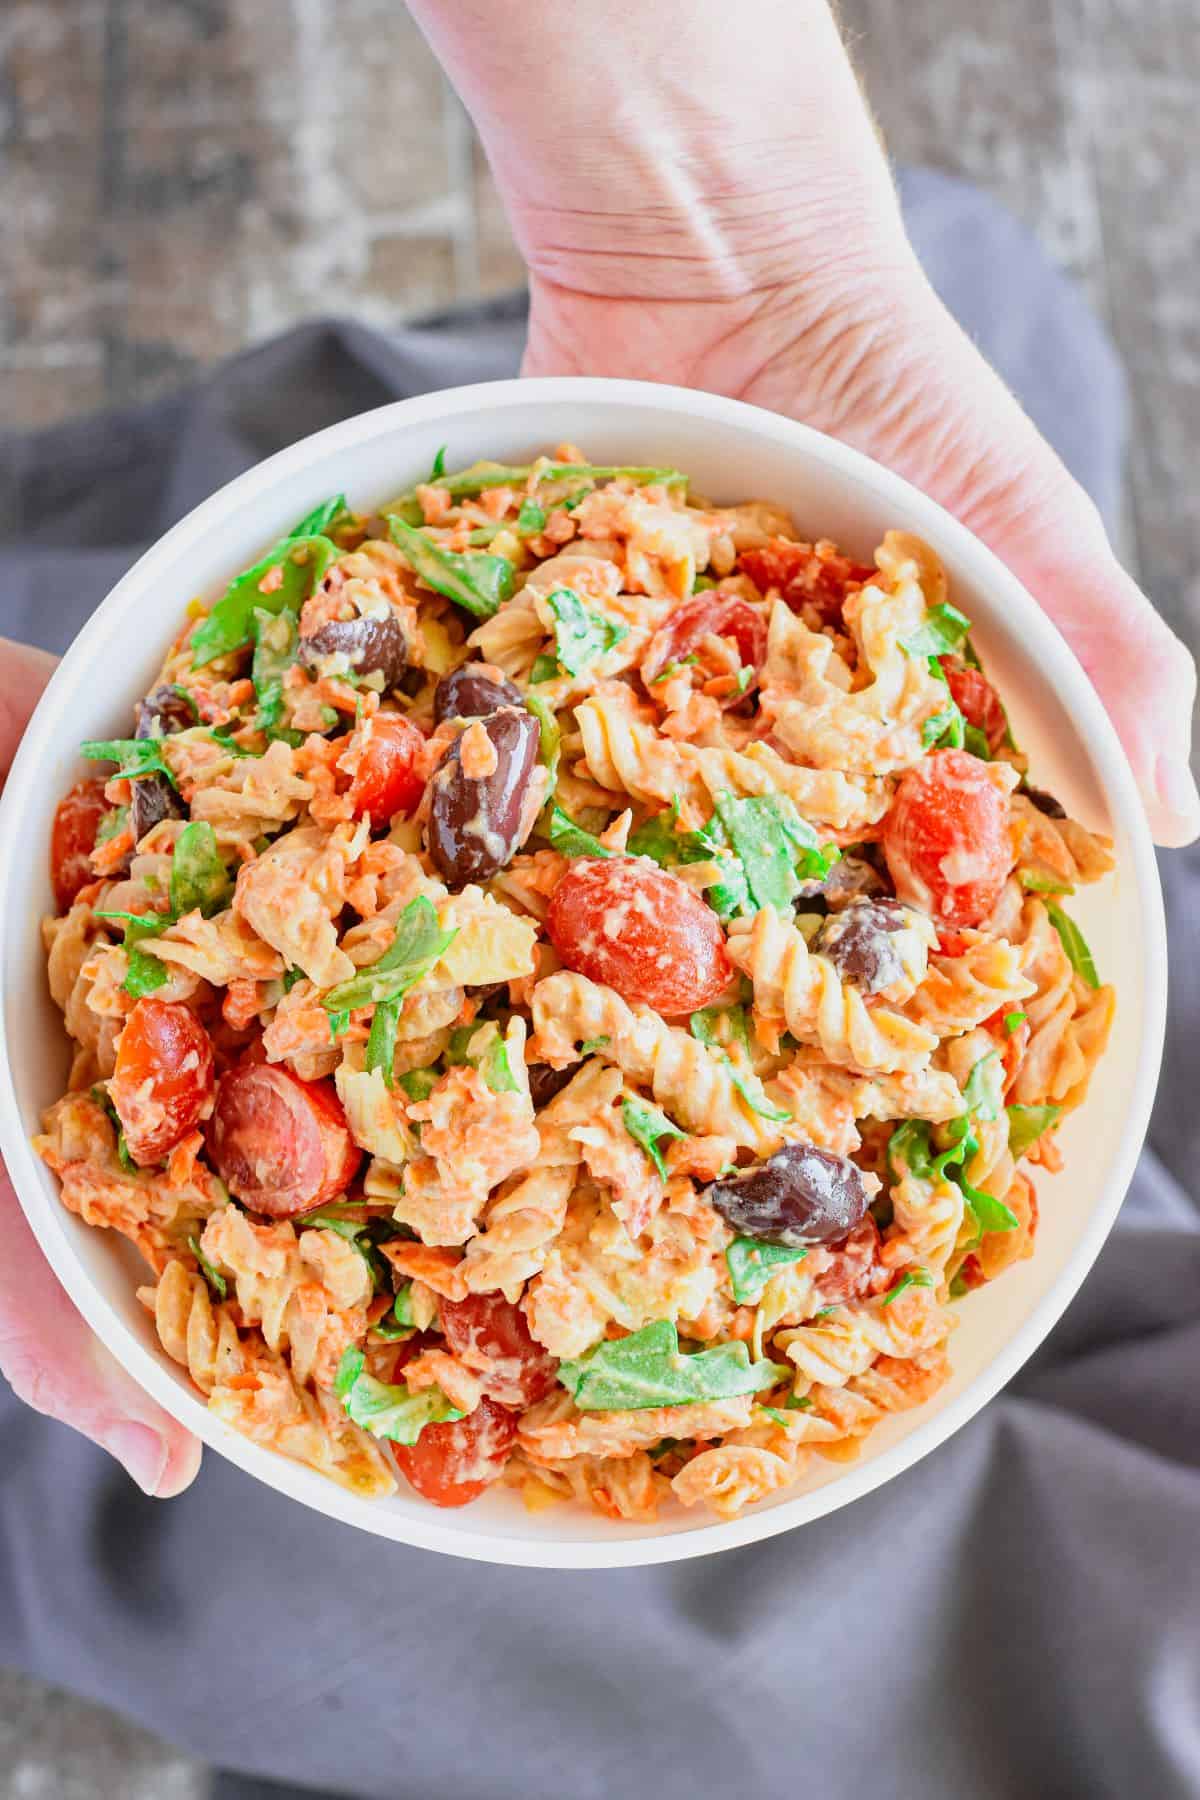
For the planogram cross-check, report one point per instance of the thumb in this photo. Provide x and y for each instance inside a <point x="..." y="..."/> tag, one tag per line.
<point x="24" y="672"/>
<point x="1138" y="666"/>
<point x="58" y="1366"/>
<point x="949" y="424"/>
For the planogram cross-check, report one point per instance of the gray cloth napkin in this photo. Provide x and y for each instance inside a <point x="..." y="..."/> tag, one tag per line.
<point x="1016" y="1616"/>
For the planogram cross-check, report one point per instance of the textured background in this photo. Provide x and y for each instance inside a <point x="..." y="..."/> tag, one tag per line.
<point x="181" y="177"/>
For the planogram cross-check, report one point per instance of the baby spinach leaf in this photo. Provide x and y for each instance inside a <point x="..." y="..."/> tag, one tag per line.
<point x="581" y="635"/>
<point x="941" y="633"/>
<point x="985" y="1084"/>
<point x="473" y="579"/>
<point x="199" y="878"/>
<point x="217" y="1284"/>
<point x="572" y="839"/>
<point x="323" y="518"/>
<point x="276" y="636"/>
<point x="388" y="1411"/>
<point x="418" y="1084"/>
<point x="778" y="849"/>
<point x="418" y="943"/>
<point x="1074" y="943"/>
<point x="301" y="563"/>
<point x="914" y="1278"/>
<point x="143" y="974"/>
<point x="1026" y="1124"/>
<point x="496" y="1068"/>
<point x="399" y="1322"/>
<point x="549" y="735"/>
<point x="545" y="668"/>
<point x="976" y="742"/>
<point x="1013" y="1021"/>
<point x="438" y="467"/>
<point x="646" y="1126"/>
<point x="134" y="756"/>
<point x="381" y="1041"/>
<point x="750" y="1262"/>
<point x="648" y="1369"/>
<point x="590" y="1046"/>
<point x="531" y="519"/>
<point x="945" y="729"/>
<point x="1035" y="881"/>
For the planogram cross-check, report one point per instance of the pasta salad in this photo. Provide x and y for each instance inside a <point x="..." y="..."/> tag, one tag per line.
<point x="570" y="986"/>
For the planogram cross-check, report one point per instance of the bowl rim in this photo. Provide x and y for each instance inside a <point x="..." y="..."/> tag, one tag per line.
<point x="917" y="513"/>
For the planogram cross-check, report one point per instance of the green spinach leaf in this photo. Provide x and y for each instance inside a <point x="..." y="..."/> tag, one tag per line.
<point x="646" y="1126"/>
<point x="473" y="579"/>
<point x="1074" y="943"/>
<point x="388" y="1411"/>
<point x="648" y="1369"/>
<point x="581" y="635"/>
<point x="418" y="943"/>
<point x="751" y="1261"/>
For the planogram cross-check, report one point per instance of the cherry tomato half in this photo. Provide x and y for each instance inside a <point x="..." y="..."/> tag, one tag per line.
<point x="452" y="1464"/>
<point x="805" y="574"/>
<point x="723" y="615"/>
<point x="641" y="931"/>
<point x="492" y="1336"/>
<point x="282" y="1145"/>
<point x="388" y="779"/>
<point x="977" y="700"/>
<point x="163" y="1079"/>
<point x="73" y="838"/>
<point x="946" y="838"/>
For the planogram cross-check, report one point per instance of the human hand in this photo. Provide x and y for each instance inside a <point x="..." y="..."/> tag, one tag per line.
<point x="701" y="199"/>
<point x="47" y="1352"/>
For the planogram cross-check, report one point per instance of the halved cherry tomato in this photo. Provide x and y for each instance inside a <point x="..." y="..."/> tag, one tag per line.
<point x="722" y="615"/>
<point x="282" y="1145"/>
<point x="805" y="574"/>
<point x="388" y="778"/>
<point x="73" y="838"/>
<point x="492" y="1336"/>
<point x="641" y="931"/>
<point x="452" y="1464"/>
<point x="163" y="1080"/>
<point x="977" y="700"/>
<point x="946" y="838"/>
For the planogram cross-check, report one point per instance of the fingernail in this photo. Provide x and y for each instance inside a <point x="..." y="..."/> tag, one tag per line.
<point x="1176" y="788"/>
<point x="141" y="1450"/>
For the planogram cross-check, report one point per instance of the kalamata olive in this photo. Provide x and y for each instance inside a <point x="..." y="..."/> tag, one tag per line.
<point x="801" y="1195"/>
<point x="372" y="644"/>
<point x="166" y="710"/>
<point x="1045" y="803"/>
<point x="467" y="693"/>
<point x="152" y="798"/>
<point x="850" y="877"/>
<point x="475" y="820"/>
<point x="860" y="943"/>
<point x="545" y="1082"/>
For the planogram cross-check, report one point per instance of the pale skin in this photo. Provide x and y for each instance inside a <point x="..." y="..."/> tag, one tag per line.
<point x="701" y="198"/>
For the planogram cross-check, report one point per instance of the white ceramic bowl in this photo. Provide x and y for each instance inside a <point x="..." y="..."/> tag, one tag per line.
<point x="733" y="452"/>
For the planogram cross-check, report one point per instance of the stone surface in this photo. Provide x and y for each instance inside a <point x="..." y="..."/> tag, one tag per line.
<point x="53" y="1747"/>
<point x="180" y="177"/>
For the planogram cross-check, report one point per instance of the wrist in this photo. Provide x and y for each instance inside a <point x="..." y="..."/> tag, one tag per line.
<point x="687" y="151"/>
